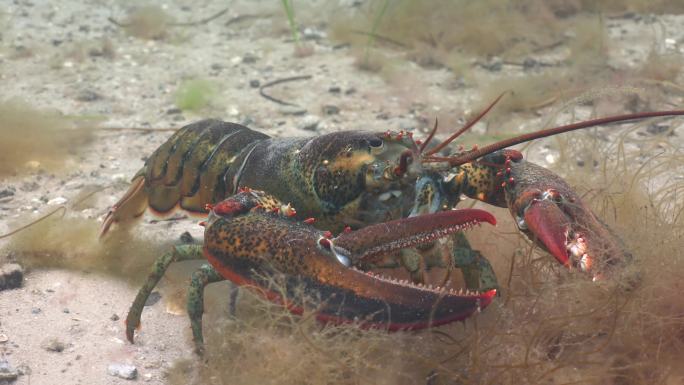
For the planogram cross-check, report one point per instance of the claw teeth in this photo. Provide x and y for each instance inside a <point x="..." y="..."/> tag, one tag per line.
<point x="577" y="248"/>
<point x="585" y="262"/>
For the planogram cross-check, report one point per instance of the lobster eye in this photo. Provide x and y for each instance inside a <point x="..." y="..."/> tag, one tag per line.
<point x="375" y="142"/>
<point x="376" y="145"/>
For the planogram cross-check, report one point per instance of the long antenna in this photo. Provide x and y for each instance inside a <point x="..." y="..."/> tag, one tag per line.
<point x="620" y="119"/>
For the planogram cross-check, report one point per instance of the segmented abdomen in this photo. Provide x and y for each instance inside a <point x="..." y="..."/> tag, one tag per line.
<point x="197" y="164"/>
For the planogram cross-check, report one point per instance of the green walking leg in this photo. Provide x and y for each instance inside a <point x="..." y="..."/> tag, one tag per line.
<point x="203" y="276"/>
<point x="177" y="253"/>
<point x="476" y="269"/>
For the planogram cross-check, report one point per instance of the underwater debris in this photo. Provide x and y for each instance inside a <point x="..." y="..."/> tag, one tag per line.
<point x="33" y="139"/>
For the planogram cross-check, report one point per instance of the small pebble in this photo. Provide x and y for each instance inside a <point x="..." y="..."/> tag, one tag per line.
<point x="36" y="310"/>
<point x="8" y="192"/>
<point x="529" y="63"/>
<point x="494" y="64"/>
<point x="53" y="345"/>
<point x="88" y="96"/>
<point x="7" y="372"/>
<point x="57" y="201"/>
<point x="313" y="34"/>
<point x="125" y="371"/>
<point x="249" y="58"/>
<point x="331" y="110"/>
<point x="657" y="129"/>
<point x="292" y="110"/>
<point x="114" y="317"/>
<point x="29" y="186"/>
<point x="3" y="338"/>
<point x="11" y="276"/>
<point x="33" y="164"/>
<point x="334" y="90"/>
<point x="254" y="83"/>
<point x="119" y="178"/>
<point x="309" y="123"/>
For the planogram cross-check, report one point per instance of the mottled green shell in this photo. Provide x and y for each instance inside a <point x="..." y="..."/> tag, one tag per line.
<point x="197" y="165"/>
<point x="325" y="176"/>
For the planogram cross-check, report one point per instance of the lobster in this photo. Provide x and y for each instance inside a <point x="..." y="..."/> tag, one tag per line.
<point x="251" y="242"/>
<point x="363" y="186"/>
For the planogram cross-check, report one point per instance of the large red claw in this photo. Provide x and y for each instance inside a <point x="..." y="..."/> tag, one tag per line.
<point x="252" y="248"/>
<point x="553" y="214"/>
<point x="383" y="238"/>
<point x="549" y="224"/>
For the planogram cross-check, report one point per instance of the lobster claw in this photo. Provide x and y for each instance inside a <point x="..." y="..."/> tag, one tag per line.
<point x="254" y="247"/>
<point x="549" y="225"/>
<point x="552" y="214"/>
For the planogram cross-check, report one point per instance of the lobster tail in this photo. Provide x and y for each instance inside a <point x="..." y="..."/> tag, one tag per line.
<point x="132" y="205"/>
<point x="193" y="168"/>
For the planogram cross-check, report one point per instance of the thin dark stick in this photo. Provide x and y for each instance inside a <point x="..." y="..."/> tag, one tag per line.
<point x="185" y="24"/>
<point x="200" y="22"/>
<point x="117" y="23"/>
<point x="280" y="81"/>
<point x="239" y="18"/>
<point x="172" y="219"/>
<point x="381" y="38"/>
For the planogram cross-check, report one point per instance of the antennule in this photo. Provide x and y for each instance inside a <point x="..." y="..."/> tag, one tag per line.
<point x="463" y="129"/>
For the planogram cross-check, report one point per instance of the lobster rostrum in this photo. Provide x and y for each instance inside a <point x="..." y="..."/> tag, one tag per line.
<point x="362" y="181"/>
